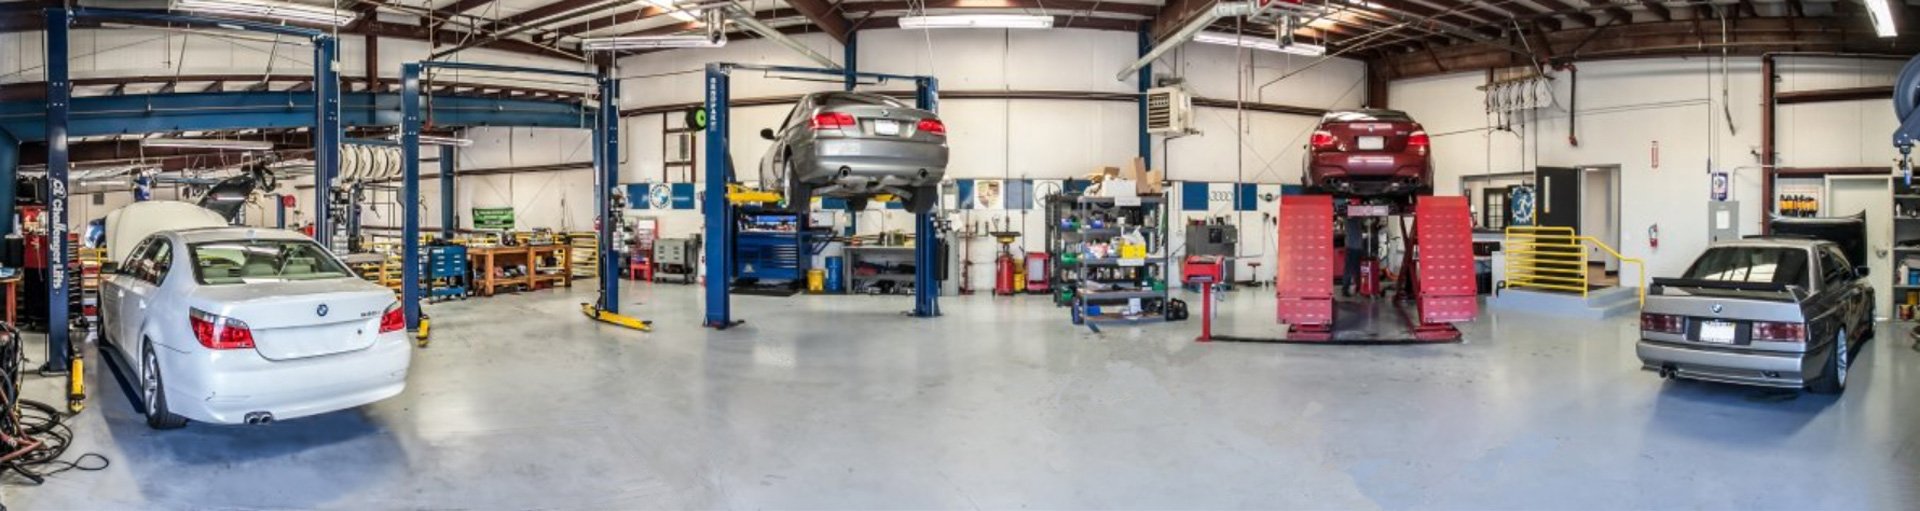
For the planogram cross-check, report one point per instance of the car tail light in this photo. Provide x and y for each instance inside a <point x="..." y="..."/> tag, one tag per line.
<point x="1322" y="139"/>
<point x="933" y="126"/>
<point x="831" y="121"/>
<point x="1773" y="331"/>
<point x="393" y="320"/>
<point x="1662" y="323"/>
<point x="1419" y="142"/>
<point x="219" y="333"/>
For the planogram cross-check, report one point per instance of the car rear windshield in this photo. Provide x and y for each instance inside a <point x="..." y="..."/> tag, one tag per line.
<point x="1368" y="116"/>
<point x="1767" y="265"/>
<point x="241" y="261"/>
<point x="863" y="99"/>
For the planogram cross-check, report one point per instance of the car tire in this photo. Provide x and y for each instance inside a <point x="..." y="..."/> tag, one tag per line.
<point x="799" y="196"/>
<point x="154" y="392"/>
<point x="924" y="199"/>
<point x="1833" y="374"/>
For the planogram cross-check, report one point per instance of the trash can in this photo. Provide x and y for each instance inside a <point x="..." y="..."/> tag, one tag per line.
<point x="836" y="274"/>
<point x="816" y="280"/>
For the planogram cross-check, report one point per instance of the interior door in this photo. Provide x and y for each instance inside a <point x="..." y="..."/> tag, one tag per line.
<point x="1847" y="195"/>
<point x="1557" y="200"/>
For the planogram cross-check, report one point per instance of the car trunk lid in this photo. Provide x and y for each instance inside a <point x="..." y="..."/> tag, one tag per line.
<point x="1376" y="136"/>
<point x="877" y="121"/>
<point x="1704" y="305"/>
<point x="300" y="319"/>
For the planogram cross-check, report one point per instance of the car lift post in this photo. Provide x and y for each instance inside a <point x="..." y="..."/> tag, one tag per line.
<point x="719" y="213"/>
<point x="326" y="126"/>
<point x="447" y="221"/>
<point x="606" y="164"/>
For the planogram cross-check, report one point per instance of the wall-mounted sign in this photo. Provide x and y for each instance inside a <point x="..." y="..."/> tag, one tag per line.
<point x="493" y="219"/>
<point x="1721" y="185"/>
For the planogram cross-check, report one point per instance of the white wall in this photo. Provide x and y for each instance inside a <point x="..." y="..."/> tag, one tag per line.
<point x="1019" y="139"/>
<point x="1627" y="106"/>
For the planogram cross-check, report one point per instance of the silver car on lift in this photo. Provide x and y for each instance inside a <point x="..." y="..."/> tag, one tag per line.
<point x="1785" y="311"/>
<point x="856" y="145"/>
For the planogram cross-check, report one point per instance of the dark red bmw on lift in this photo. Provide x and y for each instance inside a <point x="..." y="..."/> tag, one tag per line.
<point x="1369" y="154"/>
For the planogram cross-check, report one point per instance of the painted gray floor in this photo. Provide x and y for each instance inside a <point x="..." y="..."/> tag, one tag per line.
<point x="841" y="403"/>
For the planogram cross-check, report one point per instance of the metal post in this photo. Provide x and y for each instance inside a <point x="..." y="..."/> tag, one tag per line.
<point x="59" y="93"/>
<point x="280" y="211"/>
<point x="410" y="193"/>
<point x="326" y="136"/>
<point x="609" y="132"/>
<point x="719" y="217"/>
<point x="926" y="250"/>
<point x="852" y="59"/>
<point x="447" y="223"/>
<point x="1146" y="82"/>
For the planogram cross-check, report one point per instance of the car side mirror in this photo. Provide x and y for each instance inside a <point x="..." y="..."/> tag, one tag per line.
<point x="1861" y="271"/>
<point x="766" y="133"/>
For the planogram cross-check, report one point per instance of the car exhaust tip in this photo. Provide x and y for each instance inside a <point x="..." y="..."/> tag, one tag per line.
<point x="1667" y="371"/>
<point x="923" y="173"/>
<point x="259" y="418"/>
<point x="846" y="171"/>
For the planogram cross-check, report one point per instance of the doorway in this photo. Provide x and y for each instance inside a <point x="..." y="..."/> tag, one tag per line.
<point x="1851" y="194"/>
<point x="1600" y="219"/>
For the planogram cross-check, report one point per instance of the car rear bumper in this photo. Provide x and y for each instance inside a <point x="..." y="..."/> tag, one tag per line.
<point x="1726" y="365"/>
<point x="224" y="387"/>
<point x="862" y="164"/>
<point x="1369" y="174"/>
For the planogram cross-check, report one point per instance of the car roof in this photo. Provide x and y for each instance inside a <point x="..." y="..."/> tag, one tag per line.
<point x="204" y="234"/>
<point x="1773" y="242"/>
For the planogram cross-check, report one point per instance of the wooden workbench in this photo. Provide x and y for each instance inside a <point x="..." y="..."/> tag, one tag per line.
<point x="487" y="260"/>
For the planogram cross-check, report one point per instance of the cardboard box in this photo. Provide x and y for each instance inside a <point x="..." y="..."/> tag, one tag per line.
<point x="1149" y="180"/>
<point x="1119" y="188"/>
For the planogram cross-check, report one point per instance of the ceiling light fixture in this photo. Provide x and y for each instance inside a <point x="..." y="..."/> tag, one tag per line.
<point x="673" y="10"/>
<point x="977" y="21"/>
<point x="436" y="140"/>
<point x="1882" y="15"/>
<point x="208" y="143"/>
<point x="269" y="9"/>
<point x="1260" y="43"/>
<point x="641" y="42"/>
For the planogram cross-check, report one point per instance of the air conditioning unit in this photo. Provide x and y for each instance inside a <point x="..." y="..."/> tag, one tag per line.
<point x="1169" y="111"/>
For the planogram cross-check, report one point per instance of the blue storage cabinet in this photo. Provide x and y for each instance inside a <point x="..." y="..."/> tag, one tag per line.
<point x="447" y="272"/>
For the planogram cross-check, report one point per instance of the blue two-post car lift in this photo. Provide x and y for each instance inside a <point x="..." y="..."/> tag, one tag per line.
<point x="732" y="254"/>
<point x="605" y="123"/>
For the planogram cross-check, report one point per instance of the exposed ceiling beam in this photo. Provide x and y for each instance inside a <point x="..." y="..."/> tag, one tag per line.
<point x="825" y="16"/>
<point x="1050" y="6"/>
<point x="611" y="20"/>
<point x="539" y="13"/>
<point x="1674" y="38"/>
<point x="459" y="8"/>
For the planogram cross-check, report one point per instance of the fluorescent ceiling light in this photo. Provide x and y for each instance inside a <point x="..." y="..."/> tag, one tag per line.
<point x="436" y="140"/>
<point x="977" y="21"/>
<point x="672" y="10"/>
<point x="208" y="143"/>
<point x="653" y="41"/>
<point x="1882" y="17"/>
<point x="270" y="9"/>
<point x="1259" y="43"/>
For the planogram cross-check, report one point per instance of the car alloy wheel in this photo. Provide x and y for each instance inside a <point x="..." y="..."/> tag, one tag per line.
<point x="150" y="381"/>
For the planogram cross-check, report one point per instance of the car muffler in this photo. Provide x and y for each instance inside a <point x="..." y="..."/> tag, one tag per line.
<point x="259" y="418"/>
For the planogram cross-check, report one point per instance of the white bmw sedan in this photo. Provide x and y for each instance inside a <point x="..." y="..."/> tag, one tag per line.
<point x="237" y="325"/>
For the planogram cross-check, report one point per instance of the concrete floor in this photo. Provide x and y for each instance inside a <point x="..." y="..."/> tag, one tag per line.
<point x="841" y="403"/>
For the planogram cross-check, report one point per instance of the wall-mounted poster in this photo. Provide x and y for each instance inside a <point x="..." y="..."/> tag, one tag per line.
<point x="493" y="219"/>
<point x="989" y="194"/>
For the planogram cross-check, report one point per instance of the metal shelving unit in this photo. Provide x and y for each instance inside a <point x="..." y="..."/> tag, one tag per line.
<point x="894" y="265"/>
<point x="1111" y="286"/>
<point x="1906" y="251"/>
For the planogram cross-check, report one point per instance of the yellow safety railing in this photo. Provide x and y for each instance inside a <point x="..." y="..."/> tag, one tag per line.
<point x="1638" y="264"/>
<point x="1555" y="259"/>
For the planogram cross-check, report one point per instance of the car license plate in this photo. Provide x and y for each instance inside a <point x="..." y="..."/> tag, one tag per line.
<point x="1371" y="143"/>
<point x="886" y="127"/>
<point x="1717" y="332"/>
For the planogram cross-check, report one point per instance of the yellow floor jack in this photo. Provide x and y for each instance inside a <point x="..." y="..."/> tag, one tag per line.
<point x="599" y="313"/>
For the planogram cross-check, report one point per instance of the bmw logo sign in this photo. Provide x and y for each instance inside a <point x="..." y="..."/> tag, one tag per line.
<point x="1716" y="309"/>
<point x="322" y="311"/>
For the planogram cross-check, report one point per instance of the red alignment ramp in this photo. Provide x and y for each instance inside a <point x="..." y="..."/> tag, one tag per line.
<point x="1444" y="231"/>
<point x="1307" y="261"/>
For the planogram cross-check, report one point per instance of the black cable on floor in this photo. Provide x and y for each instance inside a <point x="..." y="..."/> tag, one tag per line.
<point x="34" y="436"/>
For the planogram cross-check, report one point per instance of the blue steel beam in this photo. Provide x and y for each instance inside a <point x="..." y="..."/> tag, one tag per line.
<point x="9" y="163"/>
<point x="609" y="170"/>
<point x="1146" y="81"/>
<point x="447" y="222"/>
<point x="410" y="193"/>
<point x="719" y="215"/>
<point x="327" y="133"/>
<point x="206" y="111"/>
<point x="926" y="240"/>
<point x="59" y="95"/>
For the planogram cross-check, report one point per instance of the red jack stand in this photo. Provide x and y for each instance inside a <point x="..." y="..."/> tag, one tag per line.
<point x="1204" y="271"/>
